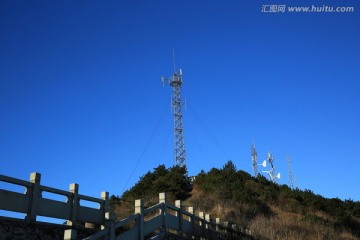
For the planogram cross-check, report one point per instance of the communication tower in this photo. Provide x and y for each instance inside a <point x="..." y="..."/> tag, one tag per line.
<point x="254" y="158"/>
<point x="271" y="172"/>
<point x="291" y="175"/>
<point x="179" y="146"/>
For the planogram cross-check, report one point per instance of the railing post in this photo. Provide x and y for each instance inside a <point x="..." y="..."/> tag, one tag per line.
<point x="202" y="223"/>
<point x="207" y="226"/>
<point x="139" y="208"/>
<point x="217" y="220"/>
<point x="179" y="214"/>
<point x="35" y="195"/>
<point x="191" y="210"/>
<point x="226" y="225"/>
<point x="191" y="219"/>
<point x="70" y="234"/>
<point x="105" y="197"/>
<point x="163" y="199"/>
<point x="110" y="219"/>
<point x="202" y="216"/>
<point x="105" y="207"/>
<point x="207" y="219"/>
<point x="74" y="202"/>
<point x="217" y="229"/>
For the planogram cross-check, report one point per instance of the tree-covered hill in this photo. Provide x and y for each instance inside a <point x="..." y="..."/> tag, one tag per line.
<point x="268" y="210"/>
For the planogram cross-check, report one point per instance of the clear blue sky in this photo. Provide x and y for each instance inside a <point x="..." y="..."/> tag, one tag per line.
<point x="81" y="98"/>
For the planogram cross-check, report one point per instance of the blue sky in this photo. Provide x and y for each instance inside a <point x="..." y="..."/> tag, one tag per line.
<point x="81" y="98"/>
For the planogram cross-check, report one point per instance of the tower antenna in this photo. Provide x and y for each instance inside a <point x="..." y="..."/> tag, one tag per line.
<point x="174" y="60"/>
<point x="179" y="146"/>
<point x="291" y="175"/>
<point x="271" y="172"/>
<point x="254" y="158"/>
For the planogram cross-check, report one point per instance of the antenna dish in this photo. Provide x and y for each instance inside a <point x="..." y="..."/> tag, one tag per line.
<point x="264" y="163"/>
<point x="180" y="71"/>
<point x="278" y="176"/>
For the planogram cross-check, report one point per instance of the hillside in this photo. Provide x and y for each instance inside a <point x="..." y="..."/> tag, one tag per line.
<point x="268" y="210"/>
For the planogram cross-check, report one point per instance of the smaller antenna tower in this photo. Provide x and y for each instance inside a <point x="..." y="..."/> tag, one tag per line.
<point x="254" y="159"/>
<point x="291" y="175"/>
<point x="271" y="172"/>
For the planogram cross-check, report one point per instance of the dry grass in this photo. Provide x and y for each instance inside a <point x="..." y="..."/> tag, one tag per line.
<point x="291" y="226"/>
<point x="280" y="225"/>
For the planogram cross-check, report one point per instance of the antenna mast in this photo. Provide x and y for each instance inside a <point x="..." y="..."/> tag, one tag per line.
<point x="254" y="158"/>
<point x="179" y="146"/>
<point x="271" y="172"/>
<point x="291" y="175"/>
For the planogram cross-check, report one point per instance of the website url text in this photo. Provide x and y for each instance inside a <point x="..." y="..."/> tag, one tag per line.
<point x="308" y="9"/>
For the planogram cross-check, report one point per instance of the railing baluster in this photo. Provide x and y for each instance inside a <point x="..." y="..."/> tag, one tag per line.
<point x="179" y="214"/>
<point x="163" y="199"/>
<point x="35" y="194"/>
<point x="139" y="208"/>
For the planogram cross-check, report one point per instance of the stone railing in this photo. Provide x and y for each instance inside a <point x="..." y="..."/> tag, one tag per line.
<point x="161" y="221"/>
<point x="32" y="204"/>
<point x="165" y="221"/>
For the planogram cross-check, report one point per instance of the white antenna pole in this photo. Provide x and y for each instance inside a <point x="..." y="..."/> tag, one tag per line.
<point x="163" y="81"/>
<point x="174" y="60"/>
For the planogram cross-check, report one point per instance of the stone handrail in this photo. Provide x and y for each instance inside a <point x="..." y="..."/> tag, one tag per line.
<point x="168" y="220"/>
<point x="32" y="204"/>
<point x="161" y="220"/>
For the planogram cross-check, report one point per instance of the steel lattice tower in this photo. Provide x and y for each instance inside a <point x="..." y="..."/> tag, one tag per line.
<point x="179" y="146"/>
<point x="291" y="175"/>
<point x="254" y="159"/>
